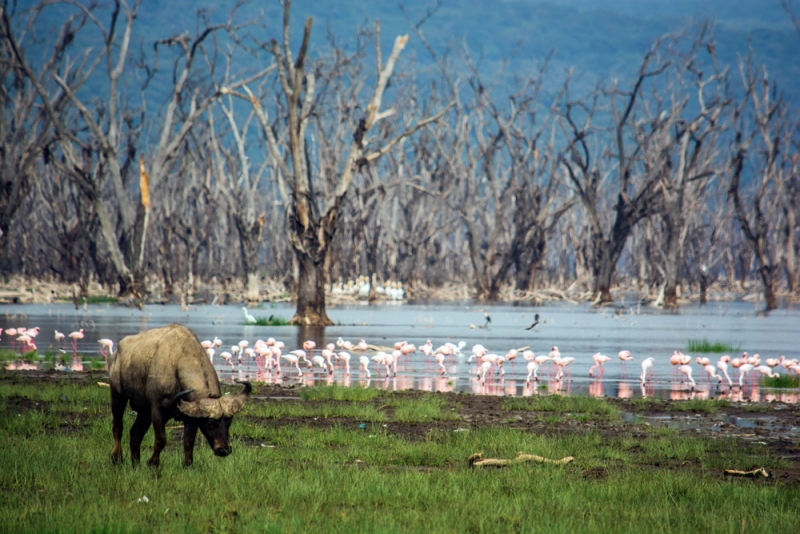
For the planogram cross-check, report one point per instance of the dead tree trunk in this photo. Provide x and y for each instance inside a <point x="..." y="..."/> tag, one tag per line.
<point x="312" y="219"/>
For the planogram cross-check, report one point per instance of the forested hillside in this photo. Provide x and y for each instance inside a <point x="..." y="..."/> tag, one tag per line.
<point x="600" y="39"/>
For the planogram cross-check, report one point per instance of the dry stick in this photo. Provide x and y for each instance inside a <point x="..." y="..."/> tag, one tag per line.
<point x="477" y="460"/>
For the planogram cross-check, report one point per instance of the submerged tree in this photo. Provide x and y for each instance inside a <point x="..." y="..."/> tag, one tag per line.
<point x="313" y="215"/>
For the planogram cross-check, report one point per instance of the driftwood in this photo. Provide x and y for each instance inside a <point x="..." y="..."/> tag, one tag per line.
<point x="754" y="473"/>
<point x="477" y="460"/>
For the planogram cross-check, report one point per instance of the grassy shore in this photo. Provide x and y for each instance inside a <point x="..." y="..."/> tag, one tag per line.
<point x="330" y="460"/>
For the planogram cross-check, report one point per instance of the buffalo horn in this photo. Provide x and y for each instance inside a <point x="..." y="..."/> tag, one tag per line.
<point x="233" y="403"/>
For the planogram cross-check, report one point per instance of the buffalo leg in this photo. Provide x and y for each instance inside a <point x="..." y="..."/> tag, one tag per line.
<point x="138" y="430"/>
<point x="189" y="435"/>
<point x="118" y="403"/>
<point x="160" y="431"/>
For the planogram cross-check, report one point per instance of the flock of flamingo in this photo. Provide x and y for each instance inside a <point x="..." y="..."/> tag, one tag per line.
<point x="271" y="360"/>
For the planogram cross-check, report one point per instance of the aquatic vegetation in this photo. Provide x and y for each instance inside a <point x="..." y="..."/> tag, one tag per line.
<point x="272" y="320"/>
<point x="706" y="346"/>
<point x="783" y="381"/>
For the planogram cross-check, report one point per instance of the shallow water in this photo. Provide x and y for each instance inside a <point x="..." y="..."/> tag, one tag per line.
<point x="578" y="331"/>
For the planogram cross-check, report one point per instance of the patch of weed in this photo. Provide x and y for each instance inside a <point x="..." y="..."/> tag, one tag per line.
<point x="698" y="405"/>
<point x="783" y="381"/>
<point x="560" y="404"/>
<point x="340" y="393"/>
<point x="704" y="345"/>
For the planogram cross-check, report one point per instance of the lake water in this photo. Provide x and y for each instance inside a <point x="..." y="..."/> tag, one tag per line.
<point x="578" y="331"/>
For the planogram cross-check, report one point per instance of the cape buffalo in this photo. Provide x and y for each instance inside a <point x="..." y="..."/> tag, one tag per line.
<point x="166" y="374"/>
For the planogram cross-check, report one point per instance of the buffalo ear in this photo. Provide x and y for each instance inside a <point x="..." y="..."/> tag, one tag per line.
<point x="234" y="403"/>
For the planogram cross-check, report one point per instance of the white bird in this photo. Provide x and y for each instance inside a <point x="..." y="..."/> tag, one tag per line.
<point x="439" y="357"/>
<point x="647" y="367"/>
<point x="532" y="368"/>
<point x="227" y="356"/>
<point x="743" y="370"/>
<point x="711" y="371"/>
<point x="294" y="358"/>
<point x="687" y="370"/>
<point x="766" y="371"/>
<point x="722" y="365"/>
<point x="249" y="319"/>
<point x="345" y="357"/>
<point x="562" y="363"/>
<point x="364" y="361"/>
<point x="485" y="366"/>
<point x="319" y="361"/>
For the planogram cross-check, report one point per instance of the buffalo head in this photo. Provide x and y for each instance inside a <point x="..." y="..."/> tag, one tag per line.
<point x="213" y="416"/>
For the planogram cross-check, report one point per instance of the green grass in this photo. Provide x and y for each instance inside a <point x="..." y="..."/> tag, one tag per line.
<point x="642" y="403"/>
<point x="272" y="320"/>
<point x="422" y="410"/>
<point x="561" y="404"/>
<point x="340" y="393"/>
<point x="704" y="345"/>
<point x="783" y="381"/>
<point x="56" y="475"/>
<point x="294" y="409"/>
<point x="698" y="405"/>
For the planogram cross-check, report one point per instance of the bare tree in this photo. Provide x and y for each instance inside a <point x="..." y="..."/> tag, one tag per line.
<point x="760" y="164"/>
<point x="636" y="185"/>
<point x="25" y="127"/>
<point x="312" y="220"/>
<point x="679" y="145"/>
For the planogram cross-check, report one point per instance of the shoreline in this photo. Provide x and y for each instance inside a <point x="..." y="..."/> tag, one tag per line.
<point x="19" y="290"/>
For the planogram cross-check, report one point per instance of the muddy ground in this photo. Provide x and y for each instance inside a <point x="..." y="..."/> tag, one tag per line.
<point x="773" y="425"/>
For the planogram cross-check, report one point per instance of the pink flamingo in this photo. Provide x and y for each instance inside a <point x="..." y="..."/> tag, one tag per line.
<point x="345" y="357"/>
<point x="228" y="357"/>
<point x="439" y="357"/>
<point x="722" y="365"/>
<point x="711" y="372"/>
<point x="485" y="366"/>
<point x="362" y="345"/>
<point x="562" y="364"/>
<point x="25" y="342"/>
<point x="106" y="348"/>
<point x="599" y="361"/>
<point x="675" y="361"/>
<point x="703" y="361"/>
<point x="294" y="358"/>
<point x="766" y="371"/>
<point x="687" y="370"/>
<point x="75" y="336"/>
<point x="625" y="357"/>
<point x="511" y="355"/>
<point x="59" y="337"/>
<point x="743" y="370"/>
